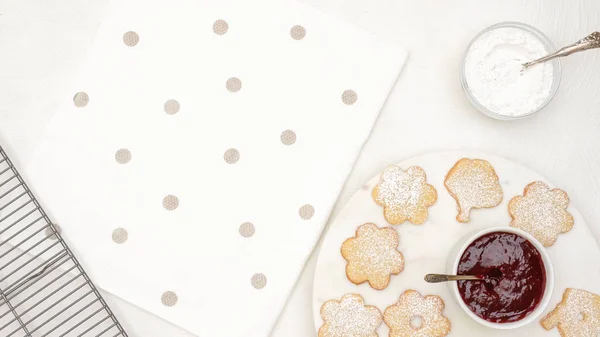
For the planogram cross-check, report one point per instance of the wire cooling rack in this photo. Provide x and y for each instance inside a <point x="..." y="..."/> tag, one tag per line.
<point x="44" y="291"/>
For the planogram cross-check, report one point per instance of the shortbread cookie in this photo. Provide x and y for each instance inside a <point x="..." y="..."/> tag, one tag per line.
<point x="404" y="195"/>
<point x="349" y="317"/>
<point x="372" y="256"/>
<point x="473" y="183"/>
<point x="417" y="316"/>
<point x="541" y="212"/>
<point x="577" y="315"/>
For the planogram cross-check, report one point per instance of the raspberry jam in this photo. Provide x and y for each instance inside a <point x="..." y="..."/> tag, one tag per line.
<point x="514" y="277"/>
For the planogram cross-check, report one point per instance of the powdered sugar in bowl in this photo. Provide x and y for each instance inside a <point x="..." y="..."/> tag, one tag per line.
<point x="494" y="80"/>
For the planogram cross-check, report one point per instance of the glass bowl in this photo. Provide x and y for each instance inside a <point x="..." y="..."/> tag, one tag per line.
<point x="557" y="70"/>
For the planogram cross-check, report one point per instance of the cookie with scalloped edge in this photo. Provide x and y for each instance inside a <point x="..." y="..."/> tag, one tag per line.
<point x="349" y="317"/>
<point x="404" y="195"/>
<point x="372" y="256"/>
<point x="542" y="212"/>
<point x="403" y="317"/>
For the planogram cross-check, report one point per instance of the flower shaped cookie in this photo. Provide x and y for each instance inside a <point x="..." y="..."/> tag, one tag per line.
<point x="542" y="212"/>
<point x="402" y="318"/>
<point x="404" y="195"/>
<point x="577" y="315"/>
<point x="372" y="256"/>
<point x="349" y="318"/>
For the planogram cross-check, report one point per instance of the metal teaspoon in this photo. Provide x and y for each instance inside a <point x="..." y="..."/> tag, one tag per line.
<point x="437" y="278"/>
<point x="589" y="42"/>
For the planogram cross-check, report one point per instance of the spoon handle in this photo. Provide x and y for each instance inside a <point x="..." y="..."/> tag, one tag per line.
<point x="437" y="278"/>
<point x="589" y="42"/>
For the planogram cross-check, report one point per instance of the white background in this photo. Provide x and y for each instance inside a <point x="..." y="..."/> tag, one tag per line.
<point x="42" y="43"/>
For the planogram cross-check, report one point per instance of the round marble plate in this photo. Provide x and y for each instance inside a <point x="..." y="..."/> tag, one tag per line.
<point x="576" y="255"/>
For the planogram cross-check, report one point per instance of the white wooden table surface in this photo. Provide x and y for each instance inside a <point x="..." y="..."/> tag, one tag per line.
<point x="43" y="42"/>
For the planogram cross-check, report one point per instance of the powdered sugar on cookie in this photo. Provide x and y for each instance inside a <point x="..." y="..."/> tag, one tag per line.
<point x="372" y="256"/>
<point x="430" y="309"/>
<point x="473" y="183"/>
<point x="349" y="317"/>
<point x="577" y="315"/>
<point x="404" y="195"/>
<point x="542" y="212"/>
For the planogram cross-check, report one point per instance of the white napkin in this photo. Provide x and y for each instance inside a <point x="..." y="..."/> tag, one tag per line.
<point x="199" y="153"/>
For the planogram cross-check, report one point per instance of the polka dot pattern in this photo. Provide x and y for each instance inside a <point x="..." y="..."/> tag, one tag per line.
<point x="247" y="229"/>
<point x="120" y="235"/>
<point x="231" y="156"/>
<point x="349" y="97"/>
<point x="131" y="39"/>
<point x="220" y="27"/>
<point x="288" y="137"/>
<point x="196" y="107"/>
<point x="259" y="281"/>
<point x="170" y="202"/>
<point x="298" y="32"/>
<point x="81" y="99"/>
<point x="123" y="156"/>
<point x="233" y="84"/>
<point x="306" y="212"/>
<point x="169" y="298"/>
<point x="49" y="232"/>
<point x="171" y="107"/>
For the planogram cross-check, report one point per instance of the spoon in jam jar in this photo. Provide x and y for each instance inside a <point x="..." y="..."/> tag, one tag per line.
<point x="491" y="276"/>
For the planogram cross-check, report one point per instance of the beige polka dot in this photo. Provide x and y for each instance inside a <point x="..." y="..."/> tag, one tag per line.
<point x="247" y="229"/>
<point x="169" y="298"/>
<point x="234" y="84"/>
<point x="119" y="235"/>
<point x="123" y="156"/>
<point x="170" y="202"/>
<point x="131" y="39"/>
<point x="171" y="107"/>
<point x="297" y="32"/>
<point x="259" y="281"/>
<point x="349" y="97"/>
<point x="49" y="232"/>
<point x="306" y="212"/>
<point x="231" y="156"/>
<point x="81" y="99"/>
<point x="220" y="27"/>
<point x="288" y="137"/>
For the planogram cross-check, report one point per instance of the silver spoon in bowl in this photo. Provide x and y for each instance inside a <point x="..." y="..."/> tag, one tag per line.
<point x="493" y="275"/>
<point x="437" y="278"/>
<point x="589" y="42"/>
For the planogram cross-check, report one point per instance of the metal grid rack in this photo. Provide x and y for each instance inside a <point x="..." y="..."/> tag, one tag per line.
<point x="44" y="291"/>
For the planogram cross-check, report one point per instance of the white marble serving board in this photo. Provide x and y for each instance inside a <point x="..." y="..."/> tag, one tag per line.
<point x="575" y="256"/>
